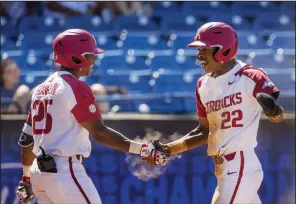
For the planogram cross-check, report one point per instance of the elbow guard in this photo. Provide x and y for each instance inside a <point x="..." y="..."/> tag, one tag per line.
<point x="26" y="138"/>
<point x="270" y="106"/>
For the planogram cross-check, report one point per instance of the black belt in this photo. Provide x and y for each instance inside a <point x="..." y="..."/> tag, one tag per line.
<point x="79" y="156"/>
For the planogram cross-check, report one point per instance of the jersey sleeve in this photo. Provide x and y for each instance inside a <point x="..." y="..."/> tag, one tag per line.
<point x="201" y="110"/>
<point x="263" y="84"/>
<point x="85" y="108"/>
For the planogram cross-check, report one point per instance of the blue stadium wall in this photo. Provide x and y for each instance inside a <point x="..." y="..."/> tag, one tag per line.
<point x="188" y="180"/>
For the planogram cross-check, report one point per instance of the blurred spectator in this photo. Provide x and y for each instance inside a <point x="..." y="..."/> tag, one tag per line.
<point x="108" y="10"/>
<point x="14" y="97"/>
<point x="134" y="8"/>
<point x="15" y="10"/>
<point x="63" y="9"/>
<point x="123" y="8"/>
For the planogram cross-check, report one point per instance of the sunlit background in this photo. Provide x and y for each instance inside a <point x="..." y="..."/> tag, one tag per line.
<point x="146" y="79"/>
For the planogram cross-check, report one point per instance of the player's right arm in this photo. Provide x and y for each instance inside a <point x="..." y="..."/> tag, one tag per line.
<point x="110" y="137"/>
<point x="88" y="115"/>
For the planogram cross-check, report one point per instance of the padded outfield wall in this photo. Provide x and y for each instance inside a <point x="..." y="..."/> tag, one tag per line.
<point x="187" y="180"/>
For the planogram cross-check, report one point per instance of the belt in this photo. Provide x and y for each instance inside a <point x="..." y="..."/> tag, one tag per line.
<point x="220" y="159"/>
<point x="78" y="157"/>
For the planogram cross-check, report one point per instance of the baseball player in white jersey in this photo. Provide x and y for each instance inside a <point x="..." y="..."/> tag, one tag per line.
<point x="55" y="137"/>
<point x="229" y="99"/>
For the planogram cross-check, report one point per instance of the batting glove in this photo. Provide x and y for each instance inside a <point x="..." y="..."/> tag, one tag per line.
<point x="24" y="191"/>
<point x="154" y="156"/>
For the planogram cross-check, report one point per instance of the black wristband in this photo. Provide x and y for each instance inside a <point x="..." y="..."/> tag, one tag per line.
<point x="25" y="140"/>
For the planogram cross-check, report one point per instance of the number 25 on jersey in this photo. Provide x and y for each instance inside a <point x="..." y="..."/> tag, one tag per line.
<point x="42" y="116"/>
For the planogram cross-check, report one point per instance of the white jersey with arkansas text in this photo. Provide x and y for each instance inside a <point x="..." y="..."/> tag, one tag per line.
<point x="229" y="104"/>
<point x="58" y="106"/>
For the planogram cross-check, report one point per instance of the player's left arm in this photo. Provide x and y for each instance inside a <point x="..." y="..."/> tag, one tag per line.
<point x="272" y="109"/>
<point x="267" y="94"/>
<point x="26" y="141"/>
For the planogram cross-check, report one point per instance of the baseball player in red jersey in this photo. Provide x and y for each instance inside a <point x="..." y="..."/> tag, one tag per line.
<point x="229" y="99"/>
<point x="55" y="137"/>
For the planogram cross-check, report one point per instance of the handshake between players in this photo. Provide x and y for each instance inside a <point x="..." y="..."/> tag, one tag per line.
<point x="158" y="154"/>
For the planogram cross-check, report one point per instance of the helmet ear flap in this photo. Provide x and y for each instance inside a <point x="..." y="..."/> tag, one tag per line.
<point x="221" y="55"/>
<point x="226" y="52"/>
<point x="215" y="52"/>
<point x="76" y="60"/>
<point x="60" y="48"/>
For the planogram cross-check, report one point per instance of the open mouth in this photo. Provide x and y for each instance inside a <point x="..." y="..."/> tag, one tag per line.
<point x="203" y="62"/>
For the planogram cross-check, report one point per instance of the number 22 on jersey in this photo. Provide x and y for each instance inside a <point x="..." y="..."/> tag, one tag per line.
<point x="41" y="115"/>
<point x="231" y="119"/>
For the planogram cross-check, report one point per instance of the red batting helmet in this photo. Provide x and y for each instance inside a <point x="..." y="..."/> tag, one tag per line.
<point x="217" y="34"/>
<point x="70" y="47"/>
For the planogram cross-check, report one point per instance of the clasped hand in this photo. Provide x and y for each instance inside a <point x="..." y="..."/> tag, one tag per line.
<point x="155" y="153"/>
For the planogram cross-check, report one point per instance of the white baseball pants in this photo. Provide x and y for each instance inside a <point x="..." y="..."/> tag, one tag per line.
<point x="239" y="178"/>
<point x="70" y="184"/>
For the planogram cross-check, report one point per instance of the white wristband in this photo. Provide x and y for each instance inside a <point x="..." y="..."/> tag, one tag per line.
<point x="26" y="171"/>
<point x="27" y="129"/>
<point x="135" y="147"/>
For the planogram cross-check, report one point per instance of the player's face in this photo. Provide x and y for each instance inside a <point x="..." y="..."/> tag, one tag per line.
<point x="91" y="59"/>
<point x="206" y="59"/>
